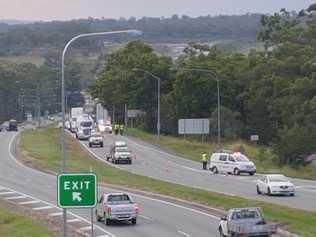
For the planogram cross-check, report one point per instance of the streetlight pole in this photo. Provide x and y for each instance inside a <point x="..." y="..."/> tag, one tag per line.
<point x="62" y="137"/>
<point x="158" y="97"/>
<point x="214" y="74"/>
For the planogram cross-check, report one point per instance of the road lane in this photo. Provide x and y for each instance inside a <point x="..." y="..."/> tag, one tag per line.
<point x="159" y="218"/>
<point x="156" y="163"/>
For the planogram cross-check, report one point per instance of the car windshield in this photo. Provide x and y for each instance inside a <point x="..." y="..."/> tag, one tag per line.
<point x="241" y="158"/>
<point x="119" y="199"/>
<point x="245" y="214"/>
<point x="96" y="135"/>
<point x="280" y="178"/>
<point x="86" y="124"/>
<point x="121" y="149"/>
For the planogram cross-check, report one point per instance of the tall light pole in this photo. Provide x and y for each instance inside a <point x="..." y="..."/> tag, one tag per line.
<point x="213" y="74"/>
<point x="62" y="137"/>
<point x="158" y="97"/>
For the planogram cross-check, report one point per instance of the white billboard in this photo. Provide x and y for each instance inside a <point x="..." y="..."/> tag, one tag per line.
<point x="193" y="126"/>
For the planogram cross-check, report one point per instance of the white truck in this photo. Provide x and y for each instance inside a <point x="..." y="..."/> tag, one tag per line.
<point x="245" y="222"/>
<point x="74" y="115"/>
<point x="116" y="207"/>
<point x="84" y="127"/>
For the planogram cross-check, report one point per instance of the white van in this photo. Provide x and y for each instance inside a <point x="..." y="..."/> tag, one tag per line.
<point x="231" y="162"/>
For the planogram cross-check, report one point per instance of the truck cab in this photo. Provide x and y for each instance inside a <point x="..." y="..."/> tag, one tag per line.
<point x="13" y="125"/>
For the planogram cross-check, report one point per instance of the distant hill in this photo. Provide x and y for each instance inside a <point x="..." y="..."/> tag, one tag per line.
<point x="21" y="38"/>
<point x="14" y="22"/>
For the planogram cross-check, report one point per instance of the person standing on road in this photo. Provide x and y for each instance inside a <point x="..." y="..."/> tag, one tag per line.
<point x="116" y="128"/>
<point x="204" y="160"/>
<point x="121" y="129"/>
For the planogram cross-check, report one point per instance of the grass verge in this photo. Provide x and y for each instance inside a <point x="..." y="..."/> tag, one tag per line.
<point x="41" y="149"/>
<point x="15" y="225"/>
<point x="262" y="156"/>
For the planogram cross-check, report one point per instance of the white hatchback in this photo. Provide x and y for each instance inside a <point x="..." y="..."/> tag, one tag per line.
<point x="231" y="163"/>
<point x="275" y="184"/>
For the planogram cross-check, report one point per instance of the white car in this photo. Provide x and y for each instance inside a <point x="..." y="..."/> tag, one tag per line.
<point x="231" y="162"/>
<point x="96" y="139"/>
<point x="117" y="207"/>
<point x="275" y="184"/>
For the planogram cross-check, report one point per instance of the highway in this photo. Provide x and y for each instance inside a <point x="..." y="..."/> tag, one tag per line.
<point x="157" y="218"/>
<point x="156" y="163"/>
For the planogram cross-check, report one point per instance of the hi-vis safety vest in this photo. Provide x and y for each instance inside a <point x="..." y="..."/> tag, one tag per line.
<point x="122" y="127"/>
<point x="116" y="126"/>
<point x="204" y="157"/>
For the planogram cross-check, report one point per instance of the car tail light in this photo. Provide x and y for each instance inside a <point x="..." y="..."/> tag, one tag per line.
<point x="109" y="210"/>
<point x="136" y="208"/>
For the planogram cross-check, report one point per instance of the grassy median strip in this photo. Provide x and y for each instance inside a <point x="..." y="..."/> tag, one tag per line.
<point x="262" y="156"/>
<point x="41" y="149"/>
<point x="15" y="225"/>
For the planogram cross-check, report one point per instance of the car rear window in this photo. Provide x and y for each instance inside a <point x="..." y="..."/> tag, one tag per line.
<point x="245" y="214"/>
<point x="119" y="199"/>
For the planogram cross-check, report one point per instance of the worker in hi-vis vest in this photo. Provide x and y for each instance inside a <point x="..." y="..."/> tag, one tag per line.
<point x="121" y="129"/>
<point x="116" y="128"/>
<point x="204" y="160"/>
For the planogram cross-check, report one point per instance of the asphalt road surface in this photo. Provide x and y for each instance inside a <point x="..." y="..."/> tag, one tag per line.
<point x="156" y="163"/>
<point x="30" y="187"/>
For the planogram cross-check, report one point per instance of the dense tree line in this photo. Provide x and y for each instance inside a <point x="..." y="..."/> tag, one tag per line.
<point x="25" y="87"/>
<point x="271" y="93"/>
<point x="19" y="39"/>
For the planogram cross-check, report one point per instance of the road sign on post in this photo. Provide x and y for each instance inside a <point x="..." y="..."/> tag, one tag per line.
<point x="77" y="190"/>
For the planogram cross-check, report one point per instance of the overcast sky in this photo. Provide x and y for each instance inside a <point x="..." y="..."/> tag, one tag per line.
<point x="71" y="9"/>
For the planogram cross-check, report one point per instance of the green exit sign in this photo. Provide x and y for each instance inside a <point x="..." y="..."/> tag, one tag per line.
<point x="77" y="190"/>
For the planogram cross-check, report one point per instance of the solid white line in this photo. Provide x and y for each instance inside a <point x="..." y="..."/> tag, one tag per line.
<point x="29" y="202"/>
<point x="50" y="175"/>
<point x="88" y="222"/>
<point x="5" y="193"/>
<point x="183" y="233"/>
<point x="73" y="220"/>
<point x="56" y="214"/>
<point x="42" y="208"/>
<point x="85" y="228"/>
<point x="17" y="197"/>
<point x="144" y="217"/>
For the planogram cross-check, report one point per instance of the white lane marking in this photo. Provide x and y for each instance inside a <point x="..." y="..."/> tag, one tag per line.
<point x="183" y="233"/>
<point x="29" y="202"/>
<point x="73" y="220"/>
<point x="98" y="157"/>
<point x="56" y="214"/>
<point x="70" y="213"/>
<point x="42" y="208"/>
<point x="17" y="197"/>
<point x="20" y="163"/>
<point x="6" y="193"/>
<point x="85" y="228"/>
<point x="170" y="155"/>
<point x="144" y="217"/>
<point x="88" y="222"/>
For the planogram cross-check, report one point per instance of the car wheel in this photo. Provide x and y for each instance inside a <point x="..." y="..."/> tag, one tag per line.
<point x="134" y="221"/>
<point x="107" y="222"/>
<point x="102" y="144"/>
<point x="236" y="171"/>
<point x="90" y="145"/>
<point x="251" y="174"/>
<point x="269" y="191"/>
<point x="97" y="216"/>
<point x="215" y="170"/>
<point x="258" y="190"/>
<point x="292" y="194"/>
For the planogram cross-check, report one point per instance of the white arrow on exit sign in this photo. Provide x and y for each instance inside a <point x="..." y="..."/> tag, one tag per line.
<point x="76" y="196"/>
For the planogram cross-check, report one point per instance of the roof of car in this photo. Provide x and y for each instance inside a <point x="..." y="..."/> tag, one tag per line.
<point x="275" y="175"/>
